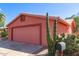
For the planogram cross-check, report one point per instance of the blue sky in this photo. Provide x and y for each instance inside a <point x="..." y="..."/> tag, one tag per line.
<point x="55" y="9"/>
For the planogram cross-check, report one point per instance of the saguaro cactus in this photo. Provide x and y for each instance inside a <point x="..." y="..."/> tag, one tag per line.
<point x="54" y="30"/>
<point x="49" y="39"/>
<point x="54" y="35"/>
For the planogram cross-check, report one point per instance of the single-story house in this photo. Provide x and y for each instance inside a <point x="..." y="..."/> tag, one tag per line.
<point x="72" y="24"/>
<point x="31" y="28"/>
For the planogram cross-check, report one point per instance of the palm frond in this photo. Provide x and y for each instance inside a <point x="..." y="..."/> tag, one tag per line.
<point x="2" y="19"/>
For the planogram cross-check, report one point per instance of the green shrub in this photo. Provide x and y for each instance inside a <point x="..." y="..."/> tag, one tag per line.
<point x="77" y="36"/>
<point x="77" y="41"/>
<point x="72" y="47"/>
<point x="4" y="34"/>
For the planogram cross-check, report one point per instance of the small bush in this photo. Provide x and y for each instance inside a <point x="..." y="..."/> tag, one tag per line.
<point x="77" y="41"/>
<point x="4" y="34"/>
<point x="72" y="47"/>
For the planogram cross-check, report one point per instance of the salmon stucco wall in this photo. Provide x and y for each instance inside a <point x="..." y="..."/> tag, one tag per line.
<point x="61" y="28"/>
<point x="73" y="26"/>
<point x="29" y="20"/>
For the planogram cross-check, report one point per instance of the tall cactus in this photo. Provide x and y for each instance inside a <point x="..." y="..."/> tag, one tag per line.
<point x="54" y="30"/>
<point x="54" y="35"/>
<point x="49" y="39"/>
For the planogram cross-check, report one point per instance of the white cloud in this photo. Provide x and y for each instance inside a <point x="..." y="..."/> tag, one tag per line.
<point x="0" y="9"/>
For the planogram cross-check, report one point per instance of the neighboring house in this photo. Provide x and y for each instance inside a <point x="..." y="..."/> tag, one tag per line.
<point x="30" y="28"/>
<point x="71" y="25"/>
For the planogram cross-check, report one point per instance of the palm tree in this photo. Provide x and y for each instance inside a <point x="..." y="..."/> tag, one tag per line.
<point x="2" y="20"/>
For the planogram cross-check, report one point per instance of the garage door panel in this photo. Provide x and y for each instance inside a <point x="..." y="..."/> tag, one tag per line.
<point x="27" y="34"/>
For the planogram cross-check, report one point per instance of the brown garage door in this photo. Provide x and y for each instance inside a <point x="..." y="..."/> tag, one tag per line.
<point x="30" y="34"/>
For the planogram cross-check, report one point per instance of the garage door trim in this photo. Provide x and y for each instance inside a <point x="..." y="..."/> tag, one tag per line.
<point x="31" y="25"/>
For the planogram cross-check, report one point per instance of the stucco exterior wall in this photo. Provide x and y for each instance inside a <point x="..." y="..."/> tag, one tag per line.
<point x="29" y="20"/>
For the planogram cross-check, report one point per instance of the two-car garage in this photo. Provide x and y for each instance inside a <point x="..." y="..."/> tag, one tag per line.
<point x="30" y="32"/>
<point x="30" y="28"/>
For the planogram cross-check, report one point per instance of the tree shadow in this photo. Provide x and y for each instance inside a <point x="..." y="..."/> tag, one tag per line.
<point x="19" y="46"/>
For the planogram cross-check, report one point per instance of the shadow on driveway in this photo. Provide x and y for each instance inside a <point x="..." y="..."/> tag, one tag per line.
<point x="18" y="46"/>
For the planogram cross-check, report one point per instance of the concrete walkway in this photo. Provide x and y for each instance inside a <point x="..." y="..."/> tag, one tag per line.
<point x="9" y="48"/>
<point x="43" y="52"/>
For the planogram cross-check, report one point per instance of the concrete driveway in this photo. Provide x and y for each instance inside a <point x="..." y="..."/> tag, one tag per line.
<point x="9" y="48"/>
